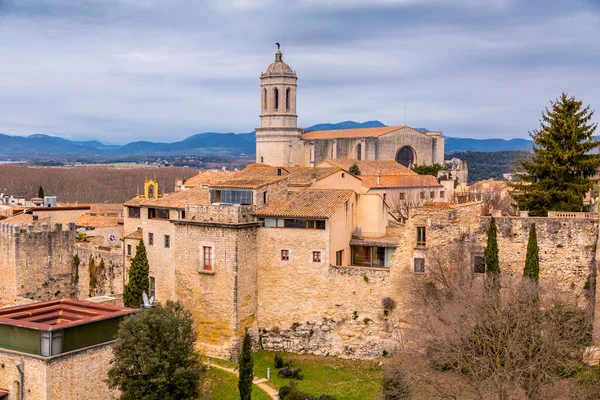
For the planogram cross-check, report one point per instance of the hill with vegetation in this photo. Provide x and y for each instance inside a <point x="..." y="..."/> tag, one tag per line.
<point x="488" y="164"/>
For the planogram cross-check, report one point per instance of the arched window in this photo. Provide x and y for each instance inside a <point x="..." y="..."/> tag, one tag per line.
<point x="265" y="99"/>
<point x="406" y="156"/>
<point x="359" y="152"/>
<point x="16" y="390"/>
<point x="151" y="191"/>
<point x="287" y="99"/>
<point x="276" y="97"/>
<point x="262" y="159"/>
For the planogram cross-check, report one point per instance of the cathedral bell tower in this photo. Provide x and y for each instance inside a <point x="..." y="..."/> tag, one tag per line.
<point x="278" y="138"/>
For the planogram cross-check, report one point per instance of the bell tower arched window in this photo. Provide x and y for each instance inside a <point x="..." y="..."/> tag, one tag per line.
<point x="359" y="152"/>
<point x="265" y="99"/>
<point x="276" y="97"/>
<point x="287" y="99"/>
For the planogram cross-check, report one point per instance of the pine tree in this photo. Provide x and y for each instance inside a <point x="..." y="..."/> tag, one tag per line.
<point x="40" y="193"/>
<point x="563" y="164"/>
<point x="245" y="368"/>
<point x="354" y="170"/>
<point x="492" y="261"/>
<point x="138" y="278"/>
<point x="532" y="260"/>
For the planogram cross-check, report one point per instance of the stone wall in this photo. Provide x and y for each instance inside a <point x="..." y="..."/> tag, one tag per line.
<point x="314" y="307"/>
<point x="231" y="214"/>
<point x="109" y="280"/>
<point x="37" y="264"/>
<point x="70" y="376"/>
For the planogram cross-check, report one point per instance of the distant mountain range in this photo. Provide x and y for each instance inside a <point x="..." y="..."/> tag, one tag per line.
<point x="208" y="143"/>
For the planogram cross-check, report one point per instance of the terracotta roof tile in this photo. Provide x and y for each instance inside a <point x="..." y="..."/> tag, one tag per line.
<point x="98" y="221"/>
<point x="316" y="203"/>
<point x="303" y="176"/>
<point x="136" y="235"/>
<point x="206" y="178"/>
<point x="400" y="181"/>
<point x="350" y="133"/>
<point x="371" y="167"/>
<point x="253" y="177"/>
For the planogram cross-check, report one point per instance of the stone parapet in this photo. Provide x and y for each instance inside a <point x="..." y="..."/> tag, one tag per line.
<point x="229" y="214"/>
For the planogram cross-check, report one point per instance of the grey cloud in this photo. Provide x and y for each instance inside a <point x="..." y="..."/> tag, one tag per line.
<point x="162" y="70"/>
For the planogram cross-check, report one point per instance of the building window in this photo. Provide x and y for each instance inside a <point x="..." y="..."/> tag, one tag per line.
<point x="129" y="250"/>
<point x="133" y="212"/>
<point x="167" y="241"/>
<point x="419" y="265"/>
<point x="384" y="197"/>
<point x="317" y="256"/>
<point x="207" y="258"/>
<point x="158" y="213"/>
<point x="273" y="222"/>
<point x="265" y="197"/>
<point x="276" y="97"/>
<point x="231" y="196"/>
<point x="368" y="256"/>
<point x="150" y="239"/>
<point x="402" y="196"/>
<point x="422" y="195"/>
<point x="442" y="194"/>
<point x="432" y="195"/>
<point x="421" y="236"/>
<point x="285" y="255"/>
<point x="182" y="214"/>
<point x="478" y="263"/>
<point x="51" y="343"/>
<point x="304" y="224"/>
<point x="152" y="287"/>
<point x="262" y="159"/>
<point x="339" y="257"/>
<point x="359" y="151"/>
<point x="265" y="99"/>
<point x="287" y="99"/>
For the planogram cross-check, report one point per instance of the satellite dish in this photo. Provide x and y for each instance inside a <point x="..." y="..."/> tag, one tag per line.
<point x="148" y="302"/>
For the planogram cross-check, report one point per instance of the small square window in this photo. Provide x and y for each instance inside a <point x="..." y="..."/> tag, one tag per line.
<point x="419" y="265"/>
<point x="402" y="196"/>
<point x="285" y="255"/>
<point x="431" y="195"/>
<point x="317" y="256"/>
<point x="442" y="194"/>
<point x="422" y="195"/>
<point x="478" y="263"/>
<point x="152" y="287"/>
<point x="182" y="214"/>
<point x="167" y="242"/>
<point x="129" y="250"/>
<point x="421" y="236"/>
<point x="150" y="239"/>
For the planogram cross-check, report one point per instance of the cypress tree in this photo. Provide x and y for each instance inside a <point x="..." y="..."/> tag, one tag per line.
<point x="561" y="170"/>
<point x="40" y="193"/>
<point x="245" y="368"/>
<point x="532" y="260"/>
<point x="138" y="278"/>
<point x="354" y="170"/>
<point x="492" y="261"/>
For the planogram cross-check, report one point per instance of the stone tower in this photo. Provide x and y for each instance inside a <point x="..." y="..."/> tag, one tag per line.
<point x="278" y="138"/>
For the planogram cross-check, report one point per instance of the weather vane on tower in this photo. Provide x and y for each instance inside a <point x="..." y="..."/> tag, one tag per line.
<point x="278" y="45"/>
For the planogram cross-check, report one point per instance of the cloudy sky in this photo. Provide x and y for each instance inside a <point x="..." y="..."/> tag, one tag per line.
<point x="161" y="70"/>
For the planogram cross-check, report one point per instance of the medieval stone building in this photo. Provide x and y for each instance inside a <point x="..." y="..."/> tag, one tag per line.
<point x="280" y="142"/>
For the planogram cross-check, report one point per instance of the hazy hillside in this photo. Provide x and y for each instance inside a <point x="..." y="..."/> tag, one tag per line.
<point x="485" y="165"/>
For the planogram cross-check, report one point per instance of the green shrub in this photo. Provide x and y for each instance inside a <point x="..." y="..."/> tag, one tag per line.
<point x="291" y="392"/>
<point x="291" y="372"/>
<point x="279" y="362"/>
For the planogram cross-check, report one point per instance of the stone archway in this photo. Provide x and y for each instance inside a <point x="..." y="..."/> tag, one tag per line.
<point x="406" y="156"/>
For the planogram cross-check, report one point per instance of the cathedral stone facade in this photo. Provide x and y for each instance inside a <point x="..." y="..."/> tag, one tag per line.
<point x="279" y="141"/>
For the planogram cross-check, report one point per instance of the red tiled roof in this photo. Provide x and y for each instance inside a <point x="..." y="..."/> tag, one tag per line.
<point x="317" y="203"/>
<point x="59" y="314"/>
<point x="371" y="167"/>
<point x="303" y="176"/>
<point x="400" y="181"/>
<point x="350" y="133"/>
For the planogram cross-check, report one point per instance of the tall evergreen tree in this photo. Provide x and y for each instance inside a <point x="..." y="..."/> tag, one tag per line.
<point x="138" y="278"/>
<point x="561" y="170"/>
<point x="492" y="260"/>
<point x="40" y="193"/>
<point x="354" y="170"/>
<point x="245" y="368"/>
<point x="532" y="260"/>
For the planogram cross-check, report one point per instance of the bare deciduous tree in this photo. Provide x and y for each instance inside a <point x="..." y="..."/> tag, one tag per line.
<point x="464" y="344"/>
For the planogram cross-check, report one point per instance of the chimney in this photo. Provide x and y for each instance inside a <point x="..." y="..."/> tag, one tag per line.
<point x="378" y="178"/>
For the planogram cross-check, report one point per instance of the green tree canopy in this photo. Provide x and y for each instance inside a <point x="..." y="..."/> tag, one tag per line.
<point x="354" y="170"/>
<point x="138" y="278"/>
<point x="429" y="169"/>
<point x="246" y="367"/>
<point x="40" y="192"/>
<point x="153" y="357"/>
<point x="532" y="260"/>
<point x="561" y="170"/>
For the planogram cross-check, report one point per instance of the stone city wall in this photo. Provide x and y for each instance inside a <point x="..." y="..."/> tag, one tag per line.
<point x="108" y="281"/>
<point x="34" y="377"/>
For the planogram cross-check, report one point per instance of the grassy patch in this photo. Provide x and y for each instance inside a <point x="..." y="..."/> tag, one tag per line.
<point x="221" y="385"/>
<point x="343" y="379"/>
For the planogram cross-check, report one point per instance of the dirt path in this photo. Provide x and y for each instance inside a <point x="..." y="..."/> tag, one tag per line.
<point x="261" y="383"/>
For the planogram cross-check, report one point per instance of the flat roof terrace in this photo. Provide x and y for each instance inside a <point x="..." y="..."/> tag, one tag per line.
<point x="60" y="314"/>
